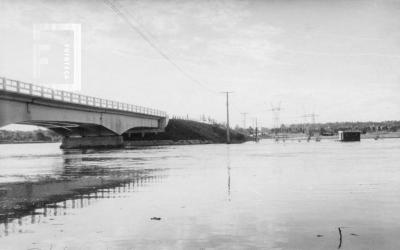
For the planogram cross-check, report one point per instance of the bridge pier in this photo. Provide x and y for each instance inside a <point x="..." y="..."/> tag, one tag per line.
<point x="113" y="141"/>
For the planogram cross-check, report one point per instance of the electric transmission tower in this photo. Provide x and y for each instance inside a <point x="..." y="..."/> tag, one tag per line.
<point x="276" y="111"/>
<point x="312" y="117"/>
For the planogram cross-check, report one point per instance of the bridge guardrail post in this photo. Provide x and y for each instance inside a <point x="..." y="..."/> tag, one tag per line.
<point x="18" y="87"/>
<point x="3" y="81"/>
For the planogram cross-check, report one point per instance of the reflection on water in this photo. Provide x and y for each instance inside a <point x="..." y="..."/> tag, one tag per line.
<point x="228" y="167"/>
<point x="291" y="195"/>
<point x="14" y="221"/>
<point x="84" y="177"/>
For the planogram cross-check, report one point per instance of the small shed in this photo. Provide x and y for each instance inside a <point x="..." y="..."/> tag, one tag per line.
<point x="349" y="135"/>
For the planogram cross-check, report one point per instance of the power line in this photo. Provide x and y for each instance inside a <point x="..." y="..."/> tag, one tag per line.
<point x="118" y="12"/>
<point x="244" y="114"/>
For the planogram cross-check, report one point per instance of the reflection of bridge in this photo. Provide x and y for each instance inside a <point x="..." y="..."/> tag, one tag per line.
<point x="83" y="121"/>
<point x="27" y="203"/>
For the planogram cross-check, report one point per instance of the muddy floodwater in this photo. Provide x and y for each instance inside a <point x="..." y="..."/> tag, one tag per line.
<point x="292" y="195"/>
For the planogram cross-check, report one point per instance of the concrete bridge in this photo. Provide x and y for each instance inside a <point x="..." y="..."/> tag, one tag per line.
<point x="83" y="121"/>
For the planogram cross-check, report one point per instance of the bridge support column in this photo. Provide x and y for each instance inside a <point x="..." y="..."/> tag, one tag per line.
<point x="114" y="141"/>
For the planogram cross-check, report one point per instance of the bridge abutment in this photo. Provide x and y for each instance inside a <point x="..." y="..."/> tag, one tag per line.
<point x="114" y="141"/>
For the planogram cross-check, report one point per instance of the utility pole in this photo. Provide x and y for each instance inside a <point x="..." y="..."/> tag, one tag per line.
<point x="256" y="137"/>
<point x="244" y="119"/>
<point x="228" y="136"/>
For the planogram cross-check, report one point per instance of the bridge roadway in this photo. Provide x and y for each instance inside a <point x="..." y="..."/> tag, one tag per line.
<point x="83" y="121"/>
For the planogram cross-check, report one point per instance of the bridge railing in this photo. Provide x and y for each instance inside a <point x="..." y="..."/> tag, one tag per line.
<point x="70" y="97"/>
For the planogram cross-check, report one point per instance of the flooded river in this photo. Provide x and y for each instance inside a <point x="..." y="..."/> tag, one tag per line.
<point x="293" y="195"/>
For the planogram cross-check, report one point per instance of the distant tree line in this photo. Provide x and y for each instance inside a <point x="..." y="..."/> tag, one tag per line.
<point x="334" y="127"/>
<point x="29" y="136"/>
<point x="328" y="128"/>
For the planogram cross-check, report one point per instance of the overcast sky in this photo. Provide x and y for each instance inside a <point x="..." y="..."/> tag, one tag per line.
<point x="339" y="59"/>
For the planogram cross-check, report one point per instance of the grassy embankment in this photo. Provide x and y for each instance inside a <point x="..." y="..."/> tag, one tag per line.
<point x="184" y="130"/>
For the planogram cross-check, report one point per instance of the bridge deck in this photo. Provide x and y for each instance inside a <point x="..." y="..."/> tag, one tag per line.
<point x="29" y="89"/>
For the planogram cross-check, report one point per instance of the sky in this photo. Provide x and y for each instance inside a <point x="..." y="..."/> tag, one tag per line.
<point x="338" y="59"/>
